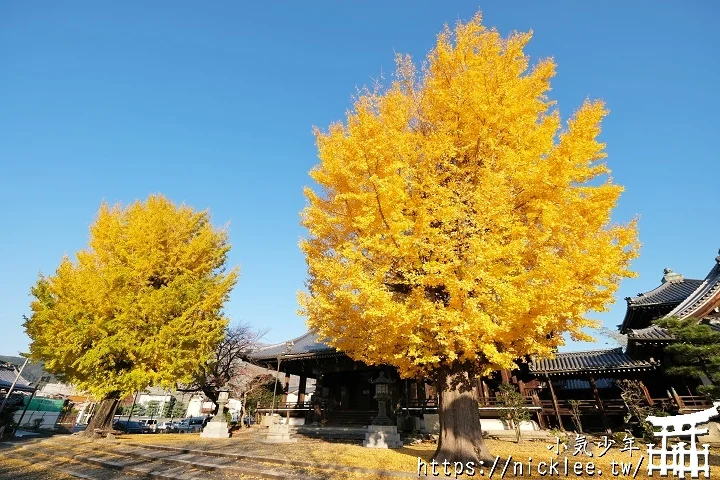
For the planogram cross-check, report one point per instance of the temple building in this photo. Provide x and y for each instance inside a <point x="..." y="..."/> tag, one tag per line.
<point x="344" y="390"/>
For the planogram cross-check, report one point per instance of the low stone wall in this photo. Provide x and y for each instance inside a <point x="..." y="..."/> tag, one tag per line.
<point x="432" y="424"/>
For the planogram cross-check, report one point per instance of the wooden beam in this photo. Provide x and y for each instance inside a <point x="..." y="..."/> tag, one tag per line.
<point x="541" y="416"/>
<point x="555" y="404"/>
<point x="678" y="400"/>
<point x="647" y="393"/>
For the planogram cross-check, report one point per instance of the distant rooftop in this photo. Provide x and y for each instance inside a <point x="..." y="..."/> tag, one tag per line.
<point x="673" y="289"/>
<point x="646" y="307"/>
<point x="590" y="362"/>
<point x="308" y="344"/>
<point x="705" y="299"/>
<point x="8" y="373"/>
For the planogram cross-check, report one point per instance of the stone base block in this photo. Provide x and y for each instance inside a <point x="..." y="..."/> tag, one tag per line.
<point x="278" y="433"/>
<point x="267" y="420"/>
<point x="432" y="423"/>
<point x="215" y="430"/>
<point x="382" y="436"/>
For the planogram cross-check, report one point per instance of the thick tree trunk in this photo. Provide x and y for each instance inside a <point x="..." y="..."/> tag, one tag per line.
<point x="460" y="435"/>
<point x="102" y="418"/>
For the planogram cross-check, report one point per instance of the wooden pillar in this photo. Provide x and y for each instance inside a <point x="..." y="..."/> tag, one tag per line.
<point x="505" y="374"/>
<point x="521" y="387"/>
<point x="422" y="394"/>
<point x="480" y="391"/>
<point x="407" y="393"/>
<point x="647" y="393"/>
<point x="486" y="391"/>
<point x="540" y="415"/>
<point x="302" y="387"/>
<point x="600" y="405"/>
<point x="286" y="388"/>
<point x="555" y="404"/>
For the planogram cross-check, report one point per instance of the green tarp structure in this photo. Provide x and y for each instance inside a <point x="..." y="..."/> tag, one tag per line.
<point x="45" y="405"/>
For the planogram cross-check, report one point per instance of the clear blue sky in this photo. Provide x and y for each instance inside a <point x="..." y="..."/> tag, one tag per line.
<point x="212" y="105"/>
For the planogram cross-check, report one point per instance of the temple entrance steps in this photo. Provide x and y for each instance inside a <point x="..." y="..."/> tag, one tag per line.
<point x="348" y="433"/>
<point x="351" y="417"/>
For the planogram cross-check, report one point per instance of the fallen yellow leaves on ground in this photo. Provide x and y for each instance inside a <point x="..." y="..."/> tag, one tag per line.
<point x="406" y="459"/>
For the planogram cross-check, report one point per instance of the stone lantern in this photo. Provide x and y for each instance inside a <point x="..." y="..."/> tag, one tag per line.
<point x="218" y="427"/>
<point x="382" y="433"/>
<point x="382" y="395"/>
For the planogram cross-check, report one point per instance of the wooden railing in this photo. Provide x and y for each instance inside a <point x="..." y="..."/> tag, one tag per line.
<point x="692" y="403"/>
<point x="682" y="403"/>
<point x="496" y="404"/>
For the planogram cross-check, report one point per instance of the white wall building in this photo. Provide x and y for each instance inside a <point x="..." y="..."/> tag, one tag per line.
<point x="198" y="407"/>
<point x="162" y="400"/>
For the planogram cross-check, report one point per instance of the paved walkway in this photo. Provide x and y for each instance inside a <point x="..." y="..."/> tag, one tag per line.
<point x="189" y="458"/>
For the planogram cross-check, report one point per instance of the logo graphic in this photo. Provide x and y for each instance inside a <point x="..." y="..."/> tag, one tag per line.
<point x="677" y="459"/>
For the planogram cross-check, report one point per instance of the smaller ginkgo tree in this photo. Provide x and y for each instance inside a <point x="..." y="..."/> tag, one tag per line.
<point x="141" y="306"/>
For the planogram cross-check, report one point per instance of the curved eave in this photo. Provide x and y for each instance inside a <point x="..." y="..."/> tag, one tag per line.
<point x="590" y="362"/>
<point x="597" y="371"/>
<point x="302" y="356"/>
<point x="17" y="388"/>
<point x="650" y="341"/>
<point x="310" y="344"/>
<point x="704" y="299"/>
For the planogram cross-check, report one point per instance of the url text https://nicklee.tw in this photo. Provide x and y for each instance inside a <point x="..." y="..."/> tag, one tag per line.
<point x="553" y="467"/>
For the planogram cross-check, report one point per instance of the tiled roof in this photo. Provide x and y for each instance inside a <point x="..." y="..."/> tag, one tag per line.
<point x="651" y="333"/>
<point x="595" y="361"/>
<point x="309" y="344"/>
<point x="705" y="295"/>
<point x="8" y="373"/>
<point x="673" y="291"/>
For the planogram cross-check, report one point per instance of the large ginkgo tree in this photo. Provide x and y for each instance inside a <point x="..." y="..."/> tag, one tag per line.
<point x="459" y="227"/>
